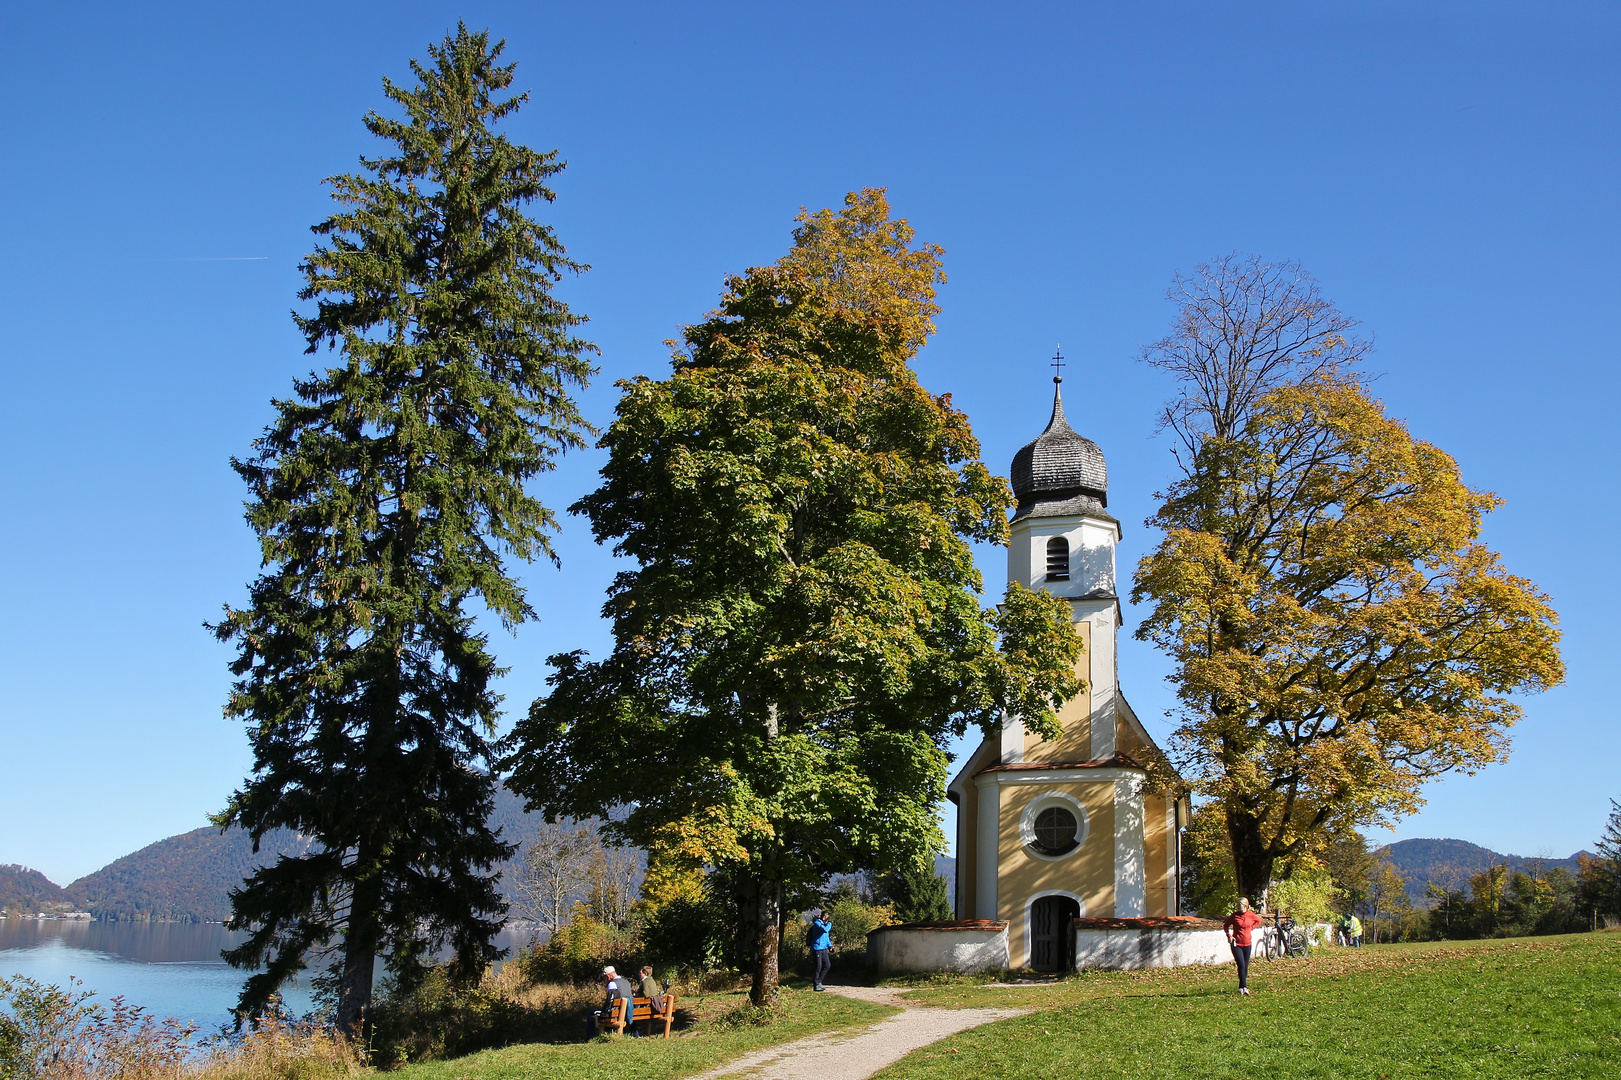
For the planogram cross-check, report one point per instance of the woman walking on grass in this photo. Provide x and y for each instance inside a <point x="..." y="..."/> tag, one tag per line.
<point x="1238" y="927"/>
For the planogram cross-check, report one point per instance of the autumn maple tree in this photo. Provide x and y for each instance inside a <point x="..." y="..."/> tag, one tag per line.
<point x="799" y="631"/>
<point x="1341" y="634"/>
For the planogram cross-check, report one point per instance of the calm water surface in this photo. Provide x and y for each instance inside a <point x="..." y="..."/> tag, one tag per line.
<point x="170" y="969"/>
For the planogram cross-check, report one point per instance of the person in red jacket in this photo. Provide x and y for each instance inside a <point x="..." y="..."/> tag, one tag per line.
<point x="1238" y="927"/>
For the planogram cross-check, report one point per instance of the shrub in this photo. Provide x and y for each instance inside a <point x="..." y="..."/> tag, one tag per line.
<point x="441" y="1018"/>
<point x="580" y="950"/>
<point x="1307" y="896"/>
<point x="687" y="934"/>
<point x="852" y="921"/>
<point x="48" y="1033"/>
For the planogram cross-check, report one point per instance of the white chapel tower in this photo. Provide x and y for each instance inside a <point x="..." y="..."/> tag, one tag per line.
<point x="1048" y="831"/>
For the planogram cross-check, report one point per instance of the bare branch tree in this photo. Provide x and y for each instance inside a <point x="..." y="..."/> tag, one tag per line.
<point x="616" y="876"/>
<point x="555" y="871"/>
<point x="1244" y="327"/>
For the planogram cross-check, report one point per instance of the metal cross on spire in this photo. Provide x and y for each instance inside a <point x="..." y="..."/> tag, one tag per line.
<point x="1058" y="364"/>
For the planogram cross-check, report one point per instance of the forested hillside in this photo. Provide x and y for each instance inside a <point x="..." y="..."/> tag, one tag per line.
<point x="185" y="877"/>
<point x="27" y="892"/>
<point x="1451" y="863"/>
<point x="190" y="876"/>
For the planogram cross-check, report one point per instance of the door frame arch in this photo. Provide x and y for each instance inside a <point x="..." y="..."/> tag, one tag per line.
<point x="1029" y="915"/>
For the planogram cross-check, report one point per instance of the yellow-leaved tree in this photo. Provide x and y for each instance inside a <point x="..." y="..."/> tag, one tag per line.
<point x="1341" y="634"/>
<point x="798" y="632"/>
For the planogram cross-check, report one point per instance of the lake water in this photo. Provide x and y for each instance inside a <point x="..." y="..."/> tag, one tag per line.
<point x="170" y="969"/>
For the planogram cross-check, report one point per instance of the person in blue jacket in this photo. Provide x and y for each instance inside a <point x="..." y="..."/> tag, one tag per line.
<point x="821" y="943"/>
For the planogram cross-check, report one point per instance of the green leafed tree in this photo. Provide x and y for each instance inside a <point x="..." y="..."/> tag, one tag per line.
<point x="799" y="630"/>
<point x="1341" y="634"/>
<point x="388" y="495"/>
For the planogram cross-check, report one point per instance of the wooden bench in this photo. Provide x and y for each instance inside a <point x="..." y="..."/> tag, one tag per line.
<point x="642" y="1012"/>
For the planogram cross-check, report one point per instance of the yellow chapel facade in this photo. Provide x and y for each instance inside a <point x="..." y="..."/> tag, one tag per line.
<point x="1049" y="831"/>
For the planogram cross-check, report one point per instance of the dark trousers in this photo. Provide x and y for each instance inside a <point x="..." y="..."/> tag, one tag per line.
<point x="597" y="1020"/>
<point x="824" y="961"/>
<point x="1241" y="956"/>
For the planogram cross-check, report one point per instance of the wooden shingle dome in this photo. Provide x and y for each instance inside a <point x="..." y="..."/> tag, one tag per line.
<point x="1061" y="472"/>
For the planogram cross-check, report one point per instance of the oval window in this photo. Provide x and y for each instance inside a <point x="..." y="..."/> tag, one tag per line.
<point x="1055" y="829"/>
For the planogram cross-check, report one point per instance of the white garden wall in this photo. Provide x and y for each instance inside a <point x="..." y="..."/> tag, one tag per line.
<point x="1128" y="944"/>
<point x="966" y="945"/>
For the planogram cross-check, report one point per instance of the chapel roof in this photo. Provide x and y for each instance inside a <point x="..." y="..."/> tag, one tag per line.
<point x="1117" y="760"/>
<point x="1061" y="472"/>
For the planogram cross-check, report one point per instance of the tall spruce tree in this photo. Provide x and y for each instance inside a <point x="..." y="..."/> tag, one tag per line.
<point x="802" y="631"/>
<point x="387" y="495"/>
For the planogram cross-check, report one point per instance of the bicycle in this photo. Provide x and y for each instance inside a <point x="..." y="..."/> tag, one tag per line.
<point x="1286" y="939"/>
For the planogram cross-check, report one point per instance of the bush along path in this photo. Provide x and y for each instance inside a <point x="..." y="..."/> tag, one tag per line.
<point x="847" y="1056"/>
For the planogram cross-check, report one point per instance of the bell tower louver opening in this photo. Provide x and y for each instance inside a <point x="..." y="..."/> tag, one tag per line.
<point x="1058" y="559"/>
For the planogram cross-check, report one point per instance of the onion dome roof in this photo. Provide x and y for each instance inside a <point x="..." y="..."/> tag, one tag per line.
<point x="1061" y="472"/>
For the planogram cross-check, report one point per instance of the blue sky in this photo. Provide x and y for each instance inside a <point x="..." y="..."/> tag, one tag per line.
<point x="1448" y="171"/>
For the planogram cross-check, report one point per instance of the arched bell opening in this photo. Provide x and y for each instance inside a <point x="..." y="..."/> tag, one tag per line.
<point x="1058" y="559"/>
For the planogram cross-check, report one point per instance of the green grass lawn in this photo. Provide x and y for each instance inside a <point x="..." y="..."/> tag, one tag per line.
<point x="683" y="1054"/>
<point x="1527" y="1007"/>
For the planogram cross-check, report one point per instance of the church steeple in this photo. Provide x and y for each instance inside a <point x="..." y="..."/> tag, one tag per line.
<point x="1060" y="472"/>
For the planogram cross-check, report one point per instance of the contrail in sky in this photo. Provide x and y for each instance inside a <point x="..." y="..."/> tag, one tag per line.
<point x="214" y="258"/>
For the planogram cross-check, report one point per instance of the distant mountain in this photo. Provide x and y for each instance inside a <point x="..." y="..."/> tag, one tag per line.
<point x="1451" y="863"/>
<point x="29" y="892"/>
<point x="189" y="877"/>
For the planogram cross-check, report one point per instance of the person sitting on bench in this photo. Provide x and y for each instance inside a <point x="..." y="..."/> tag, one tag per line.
<point x="650" y="989"/>
<point x="618" y="987"/>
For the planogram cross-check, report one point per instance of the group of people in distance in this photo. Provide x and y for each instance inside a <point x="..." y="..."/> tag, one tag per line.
<point x="1241" y="924"/>
<point x="819" y="936"/>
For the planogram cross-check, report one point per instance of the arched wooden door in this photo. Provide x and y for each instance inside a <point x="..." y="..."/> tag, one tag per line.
<point x="1052" y="940"/>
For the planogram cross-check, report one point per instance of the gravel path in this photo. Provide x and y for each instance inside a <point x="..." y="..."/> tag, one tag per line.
<point x="857" y="1056"/>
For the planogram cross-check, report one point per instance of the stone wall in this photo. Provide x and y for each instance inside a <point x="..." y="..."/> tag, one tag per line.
<point x="1171" y="941"/>
<point x="962" y="945"/>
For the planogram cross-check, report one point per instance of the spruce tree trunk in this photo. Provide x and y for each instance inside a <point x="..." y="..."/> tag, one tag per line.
<point x="360" y="942"/>
<point x="768" y="938"/>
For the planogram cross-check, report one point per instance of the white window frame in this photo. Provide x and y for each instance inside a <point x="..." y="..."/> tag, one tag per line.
<point x="1027" y="824"/>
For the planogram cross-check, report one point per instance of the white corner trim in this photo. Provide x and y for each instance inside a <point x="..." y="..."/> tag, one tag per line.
<point x="1012" y="738"/>
<point x="1027" y="824"/>
<point x="1130" y="875"/>
<point x="1101" y="684"/>
<point x="988" y="853"/>
<point x="1173" y="902"/>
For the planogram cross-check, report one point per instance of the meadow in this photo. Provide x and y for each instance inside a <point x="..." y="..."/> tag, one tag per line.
<point x="1527" y="1007"/>
<point x="1511" y="1008"/>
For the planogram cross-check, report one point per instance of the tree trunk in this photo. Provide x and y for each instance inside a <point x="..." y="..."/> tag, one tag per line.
<point x="746" y="942"/>
<point x="360" y="942"/>
<point x="767" y="940"/>
<point x="1252" y="856"/>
